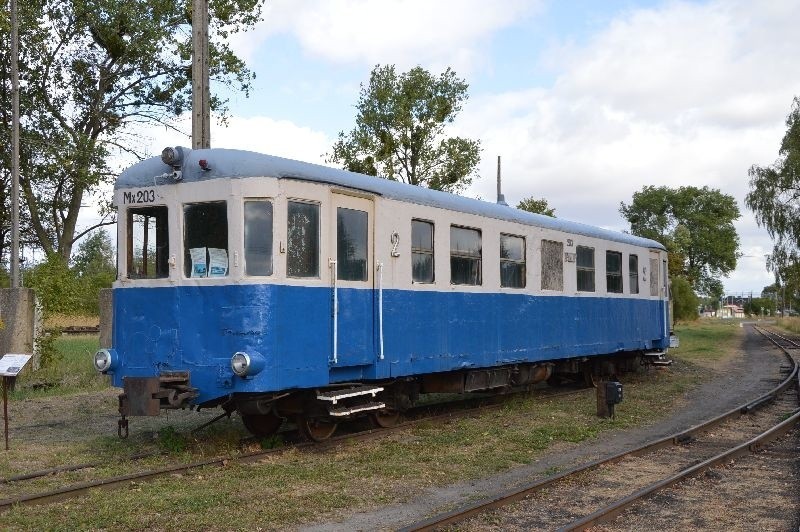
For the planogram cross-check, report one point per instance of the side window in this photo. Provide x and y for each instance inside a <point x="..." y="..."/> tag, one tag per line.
<point x="512" y="261"/>
<point x="613" y="272"/>
<point x="585" y="263"/>
<point x="148" y="243"/>
<point x="352" y="234"/>
<point x="552" y="265"/>
<point x="205" y="239"/>
<point x="633" y="273"/>
<point x="653" y="276"/>
<point x="258" y="237"/>
<point x="302" y="246"/>
<point x="421" y="251"/>
<point x="465" y="255"/>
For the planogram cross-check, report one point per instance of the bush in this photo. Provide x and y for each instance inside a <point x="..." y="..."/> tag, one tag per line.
<point x="56" y="286"/>
<point x="684" y="300"/>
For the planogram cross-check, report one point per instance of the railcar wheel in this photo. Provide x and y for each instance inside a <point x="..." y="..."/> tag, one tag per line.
<point x="386" y="418"/>
<point x="262" y="425"/>
<point x="315" y="428"/>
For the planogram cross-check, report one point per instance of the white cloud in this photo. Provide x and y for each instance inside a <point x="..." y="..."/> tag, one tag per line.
<point x="684" y="94"/>
<point x="403" y="32"/>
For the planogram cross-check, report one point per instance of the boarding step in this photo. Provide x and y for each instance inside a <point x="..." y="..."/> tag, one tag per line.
<point x="334" y="396"/>
<point x="656" y="358"/>
<point x="350" y="410"/>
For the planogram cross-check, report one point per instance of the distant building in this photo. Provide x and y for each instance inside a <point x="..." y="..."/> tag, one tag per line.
<point x="731" y="311"/>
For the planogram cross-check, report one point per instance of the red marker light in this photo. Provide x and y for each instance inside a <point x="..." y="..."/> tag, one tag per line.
<point x="204" y="164"/>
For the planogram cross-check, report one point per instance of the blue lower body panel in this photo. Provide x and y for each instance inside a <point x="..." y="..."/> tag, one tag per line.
<point x="198" y="329"/>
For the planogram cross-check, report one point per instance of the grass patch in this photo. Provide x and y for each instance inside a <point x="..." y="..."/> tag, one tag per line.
<point x="299" y="486"/>
<point x="789" y="324"/>
<point x="72" y="373"/>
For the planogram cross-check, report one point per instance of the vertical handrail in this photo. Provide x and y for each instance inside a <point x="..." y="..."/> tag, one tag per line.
<point x="380" y="308"/>
<point x="332" y="265"/>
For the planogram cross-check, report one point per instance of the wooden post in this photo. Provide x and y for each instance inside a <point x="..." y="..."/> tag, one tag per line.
<point x="602" y="406"/>
<point x="201" y="93"/>
<point x="5" y="408"/>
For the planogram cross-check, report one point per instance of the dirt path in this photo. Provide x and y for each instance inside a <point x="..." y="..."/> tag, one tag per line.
<point x="751" y="371"/>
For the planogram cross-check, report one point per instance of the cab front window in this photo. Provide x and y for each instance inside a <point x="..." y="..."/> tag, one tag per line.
<point x="148" y="243"/>
<point x="205" y="239"/>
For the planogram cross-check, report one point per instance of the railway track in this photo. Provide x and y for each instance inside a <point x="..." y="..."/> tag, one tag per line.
<point x="609" y="486"/>
<point x="443" y="411"/>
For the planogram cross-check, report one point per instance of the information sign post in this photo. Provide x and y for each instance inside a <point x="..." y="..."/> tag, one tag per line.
<point x="10" y="366"/>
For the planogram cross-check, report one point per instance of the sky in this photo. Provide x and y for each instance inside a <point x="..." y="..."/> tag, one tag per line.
<point x="586" y="101"/>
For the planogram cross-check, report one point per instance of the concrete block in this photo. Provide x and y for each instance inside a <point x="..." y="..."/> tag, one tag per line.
<point x="18" y="314"/>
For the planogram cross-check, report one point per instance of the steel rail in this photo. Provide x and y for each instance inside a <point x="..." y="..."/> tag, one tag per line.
<point x="612" y="510"/>
<point x="70" y="468"/>
<point x="520" y="492"/>
<point x="80" y="488"/>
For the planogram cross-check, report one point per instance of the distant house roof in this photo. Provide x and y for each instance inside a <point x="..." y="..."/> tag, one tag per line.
<point x="226" y="163"/>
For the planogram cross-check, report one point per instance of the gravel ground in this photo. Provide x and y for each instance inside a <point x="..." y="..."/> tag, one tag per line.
<point x="752" y="370"/>
<point x="756" y="492"/>
<point x="566" y="502"/>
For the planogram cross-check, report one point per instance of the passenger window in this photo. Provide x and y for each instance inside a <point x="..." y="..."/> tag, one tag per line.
<point x="512" y="261"/>
<point x="421" y="251"/>
<point x="352" y="234"/>
<point x="258" y="237"/>
<point x="465" y="256"/>
<point x="552" y="265"/>
<point x="302" y="246"/>
<point x="613" y="272"/>
<point x="585" y="269"/>
<point x="148" y="243"/>
<point x="633" y="273"/>
<point x="205" y="239"/>
<point x="653" y="277"/>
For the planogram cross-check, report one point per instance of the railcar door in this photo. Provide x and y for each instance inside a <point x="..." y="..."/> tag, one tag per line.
<point x="658" y="288"/>
<point x="352" y="277"/>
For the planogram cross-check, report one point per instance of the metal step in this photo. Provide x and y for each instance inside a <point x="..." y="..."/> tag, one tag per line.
<point x="350" y="410"/>
<point x="655" y="354"/>
<point x="661" y="363"/>
<point x="335" y="396"/>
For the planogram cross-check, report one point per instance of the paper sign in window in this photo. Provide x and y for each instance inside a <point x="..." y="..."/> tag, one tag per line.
<point x="217" y="262"/>
<point x="199" y="265"/>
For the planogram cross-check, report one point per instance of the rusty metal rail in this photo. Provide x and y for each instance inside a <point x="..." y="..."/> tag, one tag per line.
<point x="607" y="513"/>
<point x="77" y="489"/>
<point x="753" y="445"/>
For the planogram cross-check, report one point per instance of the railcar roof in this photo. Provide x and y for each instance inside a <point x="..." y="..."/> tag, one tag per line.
<point x="224" y="163"/>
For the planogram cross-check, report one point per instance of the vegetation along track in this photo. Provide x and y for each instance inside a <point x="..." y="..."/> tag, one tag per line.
<point x="442" y="411"/>
<point x="607" y="487"/>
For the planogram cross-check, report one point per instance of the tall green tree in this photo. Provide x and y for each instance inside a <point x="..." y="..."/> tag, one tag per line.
<point x="537" y="206"/>
<point x="774" y="198"/>
<point x="93" y="70"/>
<point x="695" y="225"/>
<point x="400" y="130"/>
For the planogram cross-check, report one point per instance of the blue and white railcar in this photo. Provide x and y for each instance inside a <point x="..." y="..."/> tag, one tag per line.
<point x="279" y="288"/>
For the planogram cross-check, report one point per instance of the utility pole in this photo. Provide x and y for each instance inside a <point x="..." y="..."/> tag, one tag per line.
<point x="201" y="94"/>
<point x="501" y="200"/>
<point x="14" y="146"/>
